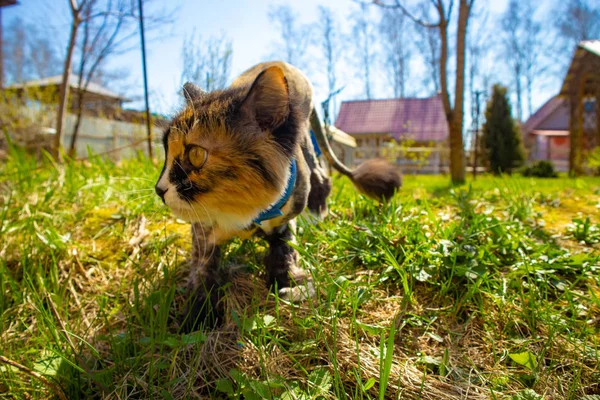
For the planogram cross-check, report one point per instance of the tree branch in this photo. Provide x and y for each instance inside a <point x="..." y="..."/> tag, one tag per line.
<point x="74" y="8"/>
<point x="443" y="71"/>
<point x="449" y="15"/>
<point x="398" y="5"/>
<point x="99" y="32"/>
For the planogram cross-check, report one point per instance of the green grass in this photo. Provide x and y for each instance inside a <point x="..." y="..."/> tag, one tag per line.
<point x="486" y="291"/>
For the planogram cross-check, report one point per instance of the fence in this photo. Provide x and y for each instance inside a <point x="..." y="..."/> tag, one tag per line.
<point x="116" y="139"/>
<point x="410" y="160"/>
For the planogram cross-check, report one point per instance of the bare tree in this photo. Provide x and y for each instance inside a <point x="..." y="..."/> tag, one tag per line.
<point x="454" y="113"/>
<point x="533" y="62"/>
<point x="207" y="62"/>
<point x="522" y="47"/>
<point x="364" y="41"/>
<point x="29" y="53"/>
<point x="330" y="46"/>
<point x="15" y="56"/>
<point x="295" y="37"/>
<point x="513" y="48"/>
<point x="99" y="36"/>
<point x="28" y="50"/>
<point x="478" y="48"/>
<point x="44" y="56"/>
<point x="429" y="44"/>
<point x="108" y="31"/>
<point x="396" y="46"/>
<point x="575" y="20"/>
<point x="111" y="27"/>
<point x="78" y="10"/>
<point x="578" y="20"/>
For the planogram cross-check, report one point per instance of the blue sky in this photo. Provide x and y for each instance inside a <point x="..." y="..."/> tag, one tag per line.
<point x="246" y="23"/>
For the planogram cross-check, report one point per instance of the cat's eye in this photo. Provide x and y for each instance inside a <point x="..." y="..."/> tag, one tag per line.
<point x="197" y="156"/>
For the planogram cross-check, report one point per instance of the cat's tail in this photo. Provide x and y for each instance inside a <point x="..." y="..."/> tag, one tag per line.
<point x="376" y="178"/>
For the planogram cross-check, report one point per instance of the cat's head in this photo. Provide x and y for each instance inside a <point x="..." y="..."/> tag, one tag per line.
<point x="227" y="153"/>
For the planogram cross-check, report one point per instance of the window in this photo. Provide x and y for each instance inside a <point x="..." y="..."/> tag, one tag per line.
<point x="589" y="114"/>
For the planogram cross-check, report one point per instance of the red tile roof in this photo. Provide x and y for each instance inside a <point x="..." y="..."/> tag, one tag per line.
<point x="417" y="119"/>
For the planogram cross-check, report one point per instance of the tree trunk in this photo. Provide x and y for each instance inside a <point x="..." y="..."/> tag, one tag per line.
<point x="576" y="135"/>
<point x="457" y="154"/>
<point x="367" y="70"/>
<point x="64" y="91"/>
<point x="454" y="115"/>
<point x="457" y="151"/>
<point x="598" y="118"/>
<point x="572" y="136"/>
<point x="529" y="94"/>
<point x="443" y="69"/>
<point x="519" y="90"/>
<point x="80" y="87"/>
<point x="77" y="123"/>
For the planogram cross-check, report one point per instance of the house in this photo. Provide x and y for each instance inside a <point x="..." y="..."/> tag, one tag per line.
<point x="581" y="88"/>
<point x="566" y="129"/>
<point x="412" y="132"/>
<point x="96" y="97"/>
<point x="546" y="133"/>
<point x="105" y="126"/>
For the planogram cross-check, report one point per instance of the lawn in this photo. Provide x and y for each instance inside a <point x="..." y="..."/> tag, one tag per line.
<point x="485" y="291"/>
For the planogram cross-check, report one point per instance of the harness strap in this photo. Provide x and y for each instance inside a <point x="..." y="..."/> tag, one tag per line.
<point x="275" y="210"/>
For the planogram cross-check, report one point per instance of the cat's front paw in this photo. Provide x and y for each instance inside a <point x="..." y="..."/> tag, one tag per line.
<point x="204" y="310"/>
<point x="295" y="285"/>
<point x="299" y="293"/>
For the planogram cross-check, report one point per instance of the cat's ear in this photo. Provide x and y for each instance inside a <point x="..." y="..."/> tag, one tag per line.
<point x="268" y="100"/>
<point x="192" y="92"/>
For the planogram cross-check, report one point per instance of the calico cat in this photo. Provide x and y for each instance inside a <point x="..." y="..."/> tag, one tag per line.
<point x="240" y="162"/>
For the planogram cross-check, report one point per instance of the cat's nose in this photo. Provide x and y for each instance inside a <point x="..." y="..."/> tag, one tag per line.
<point x="160" y="192"/>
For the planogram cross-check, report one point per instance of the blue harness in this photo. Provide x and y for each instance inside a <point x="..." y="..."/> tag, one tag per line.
<point x="315" y="144"/>
<point x="275" y="210"/>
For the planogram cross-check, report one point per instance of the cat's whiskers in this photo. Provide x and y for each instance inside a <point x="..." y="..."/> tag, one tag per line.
<point x="130" y="178"/>
<point x="137" y="199"/>
<point x="136" y="191"/>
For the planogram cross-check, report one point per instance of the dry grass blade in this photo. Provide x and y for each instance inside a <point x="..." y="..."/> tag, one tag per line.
<point x="54" y="387"/>
<point x="80" y="361"/>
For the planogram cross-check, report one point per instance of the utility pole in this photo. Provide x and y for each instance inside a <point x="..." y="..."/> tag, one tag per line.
<point x="476" y="113"/>
<point x="148" y="122"/>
